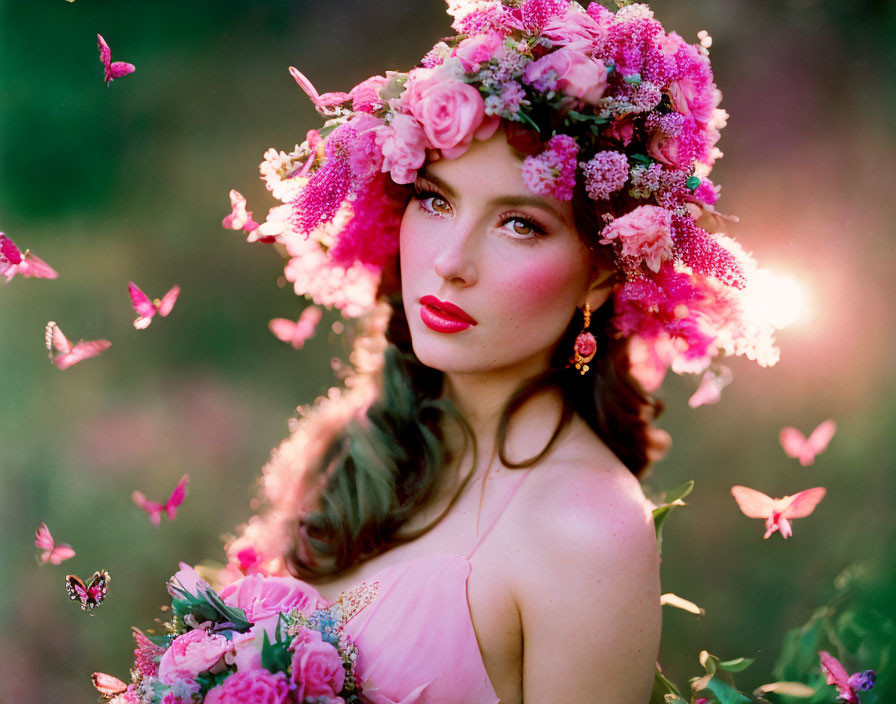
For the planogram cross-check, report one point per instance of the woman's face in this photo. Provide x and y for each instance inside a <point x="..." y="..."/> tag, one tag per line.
<point x="491" y="273"/>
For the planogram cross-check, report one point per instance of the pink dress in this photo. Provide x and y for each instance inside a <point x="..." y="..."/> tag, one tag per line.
<point x="411" y="623"/>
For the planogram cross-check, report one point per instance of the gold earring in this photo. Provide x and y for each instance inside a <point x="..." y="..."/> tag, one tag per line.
<point x="585" y="346"/>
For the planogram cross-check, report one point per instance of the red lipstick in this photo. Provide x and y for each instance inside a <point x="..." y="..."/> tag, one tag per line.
<point x="442" y="316"/>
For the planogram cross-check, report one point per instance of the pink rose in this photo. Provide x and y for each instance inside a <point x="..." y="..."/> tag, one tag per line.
<point x="450" y="112"/>
<point x="190" y="654"/>
<point x="264" y="598"/>
<point x="316" y="666"/>
<point x="665" y="149"/>
<point x="578" y="30"/>
<point x="621" y="129"/>
<point x="569" y="71"/>
<point x="403" y="145"/>
<point x="257" y="687"/>
<point x="645" y="233"/>
<point x="478" y="49"/>
<point x="366" y="95"/>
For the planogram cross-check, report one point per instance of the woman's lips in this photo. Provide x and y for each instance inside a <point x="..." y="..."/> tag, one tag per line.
<point x="442" y="316"/>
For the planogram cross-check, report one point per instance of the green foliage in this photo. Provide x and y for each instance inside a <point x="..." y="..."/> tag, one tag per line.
<point x="672" y="499"/>
<point x="207" y="606"/>
<point x="852" y="630"/>
<point x="207" y="680"/>
<point x="275" y="656"/>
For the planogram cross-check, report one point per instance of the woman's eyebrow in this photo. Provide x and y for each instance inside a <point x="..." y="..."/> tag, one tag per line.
<point x="509" y="200"/>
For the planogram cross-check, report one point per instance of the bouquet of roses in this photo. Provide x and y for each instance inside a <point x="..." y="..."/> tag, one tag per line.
<point x="261" y="640"/>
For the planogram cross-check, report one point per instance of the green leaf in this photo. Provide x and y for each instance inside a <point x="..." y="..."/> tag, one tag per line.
<point x="641" y="159"/>
<point x="275" y="656"/>
<point x="672" y="499"/>
<point x="692" y="182"/>
<point x="664" y="691"/>
<point x="725" y="693"/>
<point x="736" y="665"/>
<point x="207" y="680"/>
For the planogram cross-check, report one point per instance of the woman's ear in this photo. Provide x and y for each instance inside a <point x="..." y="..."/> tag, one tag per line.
<point x="600" y="288"/>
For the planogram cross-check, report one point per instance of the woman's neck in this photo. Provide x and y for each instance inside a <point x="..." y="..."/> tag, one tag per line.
<point x="481" y="398"/>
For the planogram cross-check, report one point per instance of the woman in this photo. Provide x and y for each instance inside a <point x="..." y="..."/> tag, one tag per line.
<point x="524" y="208"/>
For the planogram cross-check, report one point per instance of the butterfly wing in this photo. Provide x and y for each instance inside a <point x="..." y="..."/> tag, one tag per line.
<point x="153" y="508"/>
<point x="56" y="342"/>
<point x="121" y="68"/>
<point x="752" y="503"/>
<point x="793" y="442"/>
<point x="284" y="329"/>
<point x="42" y="538"/>
<point x="107" y="685"/>
<point x="105" y="51"/>
<point x="803" y="503"/>
<point x="323" y="103"/>
<point x="177" y="497"/>
<point x="76" y="589"/>
<point x="61" y="552"/>
<point x="143" y="307"/>
<point x="821" y="437"/>
<point x="34" y="267"/>
<point x="167" y="302"/>
<point x="9" y="251"/>
<point x="83" y="350"/>
<point x="96" y="589"/>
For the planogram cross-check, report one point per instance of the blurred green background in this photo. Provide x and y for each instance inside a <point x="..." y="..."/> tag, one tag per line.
<point x="130" y="183"/>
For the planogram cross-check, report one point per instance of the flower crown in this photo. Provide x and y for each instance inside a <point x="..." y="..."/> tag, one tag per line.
<point x="608" y="97"/>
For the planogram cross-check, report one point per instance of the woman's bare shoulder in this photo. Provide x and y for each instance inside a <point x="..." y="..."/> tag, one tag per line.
<point x="588" y="574"/>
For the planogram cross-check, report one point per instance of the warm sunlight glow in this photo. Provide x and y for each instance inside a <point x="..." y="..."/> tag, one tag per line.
<point x="778" y="299"/>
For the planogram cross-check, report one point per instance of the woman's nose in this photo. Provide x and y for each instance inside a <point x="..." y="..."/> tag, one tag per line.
<point x="455" y="260"/>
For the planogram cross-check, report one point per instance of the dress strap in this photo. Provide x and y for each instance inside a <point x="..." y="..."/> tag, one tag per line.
<point x="513" y="490"/>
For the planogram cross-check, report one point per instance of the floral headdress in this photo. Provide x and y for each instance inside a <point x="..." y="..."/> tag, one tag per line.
<point x="608" y="97"/>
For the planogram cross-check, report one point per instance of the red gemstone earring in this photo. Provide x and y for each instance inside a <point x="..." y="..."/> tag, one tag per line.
<point x="585" y="346"/>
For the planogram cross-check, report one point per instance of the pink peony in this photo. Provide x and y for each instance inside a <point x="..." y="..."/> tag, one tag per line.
<point x="403" y="144"/>
<point x="450" y="112"/>
<point x="264" y="598"/>
<point x="316" y="666"/>
<point x="569" y="71"/>
<point x="645" y="233"/>
<point x="622" y="129"/>
<point x="478" y="49"/>
<point x="190" y="654"/>
<point x="257" y="687"/>
<point x="693" y="102"/>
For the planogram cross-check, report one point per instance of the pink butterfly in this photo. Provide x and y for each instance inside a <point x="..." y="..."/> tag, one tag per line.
<point x="91" y="594"/>
<point x="777" y="512"/>
<point x="710" y="389"/>
<point x="847" y="686"/>
<point x="326" y="104"/>
<point x="295" y="333"/>
<point x="805" y="449"/>
<point x="146" y="308"/>
<point x="107" y="685"/>
<point x="13" y="262"/>
<point x="154" y="509"/>
<point x="241" y="219"/>
<point x="113" y="70"/>
<point x="52" y="553"/>
<point x="63" y="354"/>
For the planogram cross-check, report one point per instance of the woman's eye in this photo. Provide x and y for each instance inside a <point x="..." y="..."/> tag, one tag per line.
<point x="433" y="203"/>
<point x="521" y="228"/>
